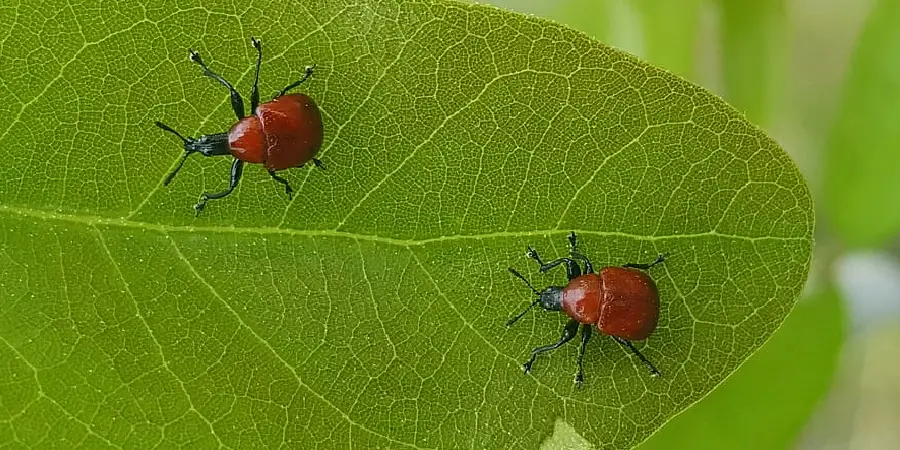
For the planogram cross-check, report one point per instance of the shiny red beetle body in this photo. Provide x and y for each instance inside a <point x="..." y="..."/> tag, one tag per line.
<point x="280" y="134"/>
<point x="622" y="302"/>
<point x="285" y="132"/>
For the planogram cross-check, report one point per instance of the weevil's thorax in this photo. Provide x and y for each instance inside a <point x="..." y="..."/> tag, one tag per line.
<point x="583" y="297"/>
<point x="247" y="140"/>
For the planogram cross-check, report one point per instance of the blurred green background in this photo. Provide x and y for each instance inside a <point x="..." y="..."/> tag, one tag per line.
<point x="823" y="78"/>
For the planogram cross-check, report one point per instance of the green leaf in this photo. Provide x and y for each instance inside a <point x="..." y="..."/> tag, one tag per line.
<point x="767" y="403"/>
<point x="369" y="311"/>
<point x="860" y="165"/>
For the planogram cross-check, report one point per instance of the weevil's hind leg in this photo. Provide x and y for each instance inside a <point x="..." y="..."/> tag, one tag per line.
<point x="287" y="186"/>
<point x="237" y="169"/>
<point x="627" y="344"/>
<point x="316" y="162"/>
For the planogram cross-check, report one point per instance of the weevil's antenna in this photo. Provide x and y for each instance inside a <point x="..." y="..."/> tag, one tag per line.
<point x="187" y="151"/>
<point x="533" y="304"/>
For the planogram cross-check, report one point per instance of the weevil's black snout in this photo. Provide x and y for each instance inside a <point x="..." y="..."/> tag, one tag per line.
<point x="206" y="145"/>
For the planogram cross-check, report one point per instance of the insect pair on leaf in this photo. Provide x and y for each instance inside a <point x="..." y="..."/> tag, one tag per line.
<point x="286" y="132"/>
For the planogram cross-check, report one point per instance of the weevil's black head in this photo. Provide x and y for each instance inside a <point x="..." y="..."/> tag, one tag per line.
<point x="551" y="298"/>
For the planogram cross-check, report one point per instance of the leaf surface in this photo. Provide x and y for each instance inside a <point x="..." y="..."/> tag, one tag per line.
<point x="368" y="312"/>
<point x="756" y="409"/>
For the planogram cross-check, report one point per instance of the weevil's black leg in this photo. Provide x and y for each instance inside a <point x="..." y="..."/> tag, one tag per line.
<point x="573" y="242"/>
<point x="568" y="333"/>
<point x="316" y="162"/>
<point x="659" y="259"/>
<point x="287" y="186"/>
<point x="309" y="72"/>
<point x="573" y="252"/>
<point x="586" y="331"/>
<point x="627" y="343"/>
<point x="572" y="268"/>
<point x="237" y="169"/>
<point x="237" y="103"/>
<point x="254" y="91"/>
<point x="588" y="267"/>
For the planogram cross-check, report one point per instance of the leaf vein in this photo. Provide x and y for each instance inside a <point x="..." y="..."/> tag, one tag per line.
<point x="274" y="353"/>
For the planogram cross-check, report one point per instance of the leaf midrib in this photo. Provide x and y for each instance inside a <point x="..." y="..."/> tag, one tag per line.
<point x="92" y="220"/>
